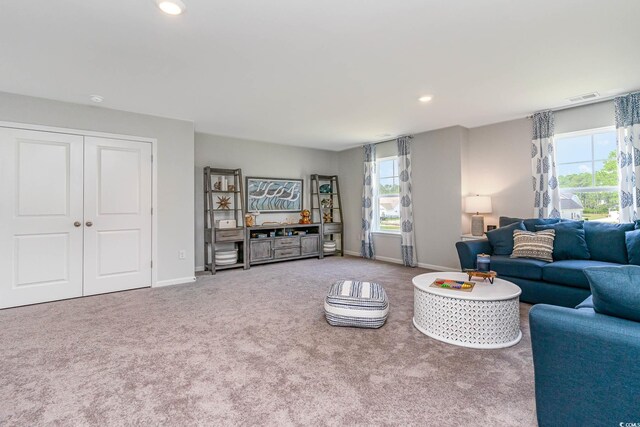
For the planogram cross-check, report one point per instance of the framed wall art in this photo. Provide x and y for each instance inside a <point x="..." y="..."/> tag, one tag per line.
<point x="274" y="194"/>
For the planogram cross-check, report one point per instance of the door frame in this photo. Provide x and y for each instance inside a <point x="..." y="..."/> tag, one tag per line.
<point x="154" y="174"/>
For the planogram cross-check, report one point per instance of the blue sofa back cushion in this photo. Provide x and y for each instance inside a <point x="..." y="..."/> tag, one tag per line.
<point x="632" y="239"/>
<point x="501" y="239"/>
<point x="529" y="224"/>
<point x="570" y="242"/>
<point x="615" y="290"/>
<point x="503" y="221"/>
<point x="607" y="241"/>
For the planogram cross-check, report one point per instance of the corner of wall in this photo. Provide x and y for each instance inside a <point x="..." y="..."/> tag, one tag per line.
<point x="465" y="176"/>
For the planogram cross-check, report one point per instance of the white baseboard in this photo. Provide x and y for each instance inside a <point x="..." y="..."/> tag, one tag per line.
<point x="399" y="261"/>
<point x="438" y="267"/>
<point x="199" y="267"/>
<point x="171" y="282"/>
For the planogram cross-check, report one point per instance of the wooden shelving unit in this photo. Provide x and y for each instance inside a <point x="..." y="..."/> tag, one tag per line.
<point x="326" y="208"/>
<point x="215" y="211"/>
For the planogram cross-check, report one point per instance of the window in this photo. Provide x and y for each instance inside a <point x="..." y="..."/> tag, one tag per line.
<point x="588" y="174"/>
<point x="388" y="203"/>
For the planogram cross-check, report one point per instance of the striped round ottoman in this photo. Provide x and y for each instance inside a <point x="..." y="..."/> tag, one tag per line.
<point x="355" y="303"/>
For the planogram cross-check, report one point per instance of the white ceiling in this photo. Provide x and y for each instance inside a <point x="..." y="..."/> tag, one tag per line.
<point x="323" y="73"/>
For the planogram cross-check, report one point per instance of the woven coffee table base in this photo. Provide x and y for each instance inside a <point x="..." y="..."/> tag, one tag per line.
<point x="468" y="323"/>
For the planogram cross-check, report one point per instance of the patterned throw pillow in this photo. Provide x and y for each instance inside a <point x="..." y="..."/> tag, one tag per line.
<point x="539" y="245"/>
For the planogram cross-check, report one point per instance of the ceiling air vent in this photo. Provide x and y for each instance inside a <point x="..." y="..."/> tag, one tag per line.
<point x="585" y="97"/>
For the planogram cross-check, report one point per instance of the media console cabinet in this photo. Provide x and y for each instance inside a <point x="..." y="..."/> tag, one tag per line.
<point x="272" y="243"/>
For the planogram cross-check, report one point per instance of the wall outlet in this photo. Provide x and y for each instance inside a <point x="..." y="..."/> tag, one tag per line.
<point x="182" y="254"/>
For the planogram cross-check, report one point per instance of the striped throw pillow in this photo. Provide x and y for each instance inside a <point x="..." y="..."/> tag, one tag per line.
<point x="539" y="245"/>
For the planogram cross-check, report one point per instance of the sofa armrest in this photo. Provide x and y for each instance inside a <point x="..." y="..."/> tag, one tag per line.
<point x="469" y="250"/>
<point x="586" y="367"/>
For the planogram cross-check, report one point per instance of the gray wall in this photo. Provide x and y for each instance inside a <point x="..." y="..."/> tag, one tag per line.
<point x="256" y="159"/>
<point x="448" y="164"/>
<point x="452" y="163"/>
<point x="499" y="159"/>
<point x="499" y="165"/>
<point x="174" y="165"/>
<point x="437" y="182"/>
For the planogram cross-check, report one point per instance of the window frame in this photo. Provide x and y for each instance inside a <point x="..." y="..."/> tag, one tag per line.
<point x="586" y="132"/>
<point x="376" y="212"/>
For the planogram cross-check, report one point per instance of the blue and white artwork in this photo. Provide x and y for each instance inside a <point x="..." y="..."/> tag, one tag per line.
<point x="274" y="195"/>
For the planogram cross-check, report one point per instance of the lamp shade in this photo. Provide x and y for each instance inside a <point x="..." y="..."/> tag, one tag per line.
<point x="477" y="204"/>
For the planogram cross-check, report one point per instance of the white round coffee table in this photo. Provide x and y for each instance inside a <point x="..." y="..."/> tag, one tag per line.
<point x="487" y="317"/>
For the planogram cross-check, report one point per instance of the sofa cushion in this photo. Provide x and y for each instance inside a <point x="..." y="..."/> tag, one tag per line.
<point x="569" y="242"/>
<point x="632" y="240"/>
<point x="529" y="224"/>
<point x="616" y="290"/>
<point x="538" y="245"/>
<point x="523" y="268"/>
<point x="503" y="221"/>
<point x="569" y="272"/>
<point x="501" y="239"/>
<point x="606" y="241"/>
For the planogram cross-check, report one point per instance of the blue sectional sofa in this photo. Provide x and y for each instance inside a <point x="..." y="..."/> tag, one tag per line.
<point x="586" y="362"/>
<point x="561" y="282"/>
<point x="585" y="358"/>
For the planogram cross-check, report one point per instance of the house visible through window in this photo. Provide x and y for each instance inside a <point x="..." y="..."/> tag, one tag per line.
<point x="588" y="175"/>
<point x="388" y="203"/>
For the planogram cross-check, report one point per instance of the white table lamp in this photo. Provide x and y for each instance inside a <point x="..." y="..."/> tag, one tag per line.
<point x="477" y="205"/>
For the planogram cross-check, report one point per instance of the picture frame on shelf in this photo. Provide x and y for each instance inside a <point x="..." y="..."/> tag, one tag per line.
<point x="271" y="195"/>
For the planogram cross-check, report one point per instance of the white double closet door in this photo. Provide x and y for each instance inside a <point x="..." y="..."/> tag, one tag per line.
<point x="75" y="216"/>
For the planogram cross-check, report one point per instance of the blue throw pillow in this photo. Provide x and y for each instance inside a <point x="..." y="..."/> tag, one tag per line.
<point x="503" y="221"/>
<point x="570" y="240"/>
<point x="501" y="239"/>
<point x="632" y="239"/>
<point x="530" y="224"/>
<point x="606" y="241"/>
<point x="615" y="290"/>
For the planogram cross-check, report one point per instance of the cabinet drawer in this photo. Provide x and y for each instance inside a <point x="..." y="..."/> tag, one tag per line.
<point x="332" y="228"/>
<point x="229" y="235"/>
<point x="287" y="242"/>
<point x="286" y="253"/>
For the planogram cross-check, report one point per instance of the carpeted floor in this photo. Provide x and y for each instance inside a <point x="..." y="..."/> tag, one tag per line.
<point x="251" y="348"/>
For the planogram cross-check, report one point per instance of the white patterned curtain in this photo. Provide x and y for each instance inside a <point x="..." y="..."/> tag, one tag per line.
<point x="543" y="165"/>
<point x="368" y="198"/>
<point x="407" y="234"/>
<point x="628" y="136"/>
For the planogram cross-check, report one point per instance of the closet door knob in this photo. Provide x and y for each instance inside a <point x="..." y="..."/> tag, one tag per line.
<point x="77" y="224"/>
<point x="89" y="224"/>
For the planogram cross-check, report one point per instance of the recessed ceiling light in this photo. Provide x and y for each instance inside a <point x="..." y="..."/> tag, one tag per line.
<point x="96" y="98"/>
<point x="171" y="7"/>
<point x="425" y="98"/>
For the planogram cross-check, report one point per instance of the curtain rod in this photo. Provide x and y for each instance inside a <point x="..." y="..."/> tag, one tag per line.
<point x="582" y="104"/>
<point x="389" y="140"/>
